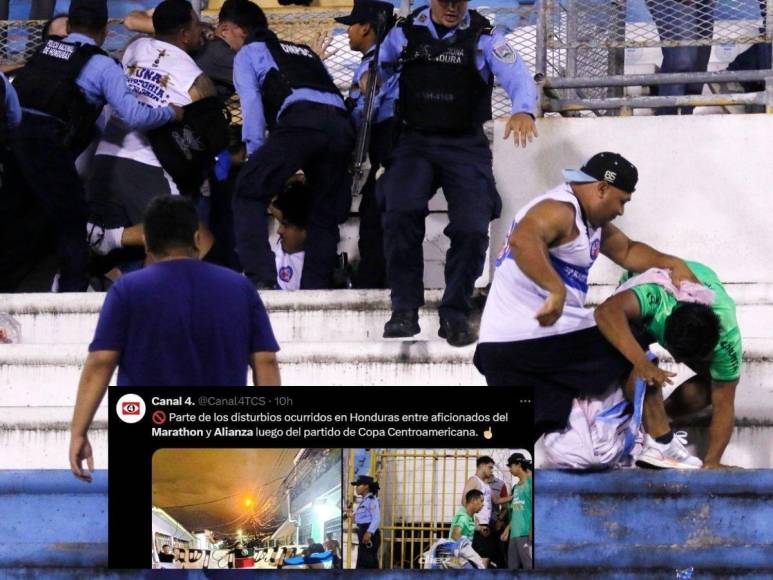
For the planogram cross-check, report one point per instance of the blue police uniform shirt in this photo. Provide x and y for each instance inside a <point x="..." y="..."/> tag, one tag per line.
<point x="369" y="512"/>
<point x="251" y="65"/>
<point x="102" y="80"/>
<point x="12" y="107"/>
<point x="183" y="322"/>
<point x="384" y="101"/>
<point x="494" y="55"/>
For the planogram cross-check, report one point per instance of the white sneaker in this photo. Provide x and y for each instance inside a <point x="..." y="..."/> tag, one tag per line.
<point x="101" y="240"/>
<point x="672" y="455"/>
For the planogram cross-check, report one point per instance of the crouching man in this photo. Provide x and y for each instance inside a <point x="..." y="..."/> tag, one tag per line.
<point x="705" y="337"/>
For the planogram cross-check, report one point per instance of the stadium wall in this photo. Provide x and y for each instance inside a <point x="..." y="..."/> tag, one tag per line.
<point x="704" y="188"/>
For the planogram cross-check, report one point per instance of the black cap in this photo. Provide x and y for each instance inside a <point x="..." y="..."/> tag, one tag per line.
<point x="610" y="167"/>
<point x="519" y="457"/>
<point x="98" y="7"/>
<point x="366" y="11"/>
<point x="364" y="480"/>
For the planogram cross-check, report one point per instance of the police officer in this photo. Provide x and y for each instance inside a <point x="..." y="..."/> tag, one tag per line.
<point x="362" y="32"/>
<point x="367" y="517"/>
<point x="62" y="91"/>
<point x="285" y="87"/>
<point x="446" y="58"/>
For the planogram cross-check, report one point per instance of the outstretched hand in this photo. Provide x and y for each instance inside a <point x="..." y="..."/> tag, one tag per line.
<point x="523" y="129"/>
<point x="321" y="45"/>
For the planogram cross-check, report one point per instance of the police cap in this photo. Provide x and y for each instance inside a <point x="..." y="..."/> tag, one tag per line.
<point x="97" y="8"/>
<point x="366" y="11"/>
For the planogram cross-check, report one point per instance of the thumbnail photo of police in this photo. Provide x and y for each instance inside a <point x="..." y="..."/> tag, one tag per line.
<point x="438" y="509"/>
<point x="246" y="509"/>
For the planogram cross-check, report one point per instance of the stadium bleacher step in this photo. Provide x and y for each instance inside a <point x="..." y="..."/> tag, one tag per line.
<point x="313" y="316"/>
<point x="36" y="375"/>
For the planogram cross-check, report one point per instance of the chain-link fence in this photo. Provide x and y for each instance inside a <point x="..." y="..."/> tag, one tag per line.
<point x="562" y="39"/>
<point x="20" y="39"/>
<point x="589" y="38"/>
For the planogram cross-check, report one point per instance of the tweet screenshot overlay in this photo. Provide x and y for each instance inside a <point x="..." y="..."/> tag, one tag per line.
<point x="235" y="478"/>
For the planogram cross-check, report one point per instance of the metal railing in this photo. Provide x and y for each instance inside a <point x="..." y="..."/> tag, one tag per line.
<point x="582" y="45"/>
<point x="421" y="490"/>
<point x="577" y="47"/>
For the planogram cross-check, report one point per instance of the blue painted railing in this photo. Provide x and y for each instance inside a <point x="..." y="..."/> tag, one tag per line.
<point x="641" y="519"/>
<point x="49" y="519"/>
<point x="628" y="523"/>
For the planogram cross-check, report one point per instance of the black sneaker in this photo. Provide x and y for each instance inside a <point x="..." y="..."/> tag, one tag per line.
<point x="457" y="332"/>
<point x="403" y="324"/>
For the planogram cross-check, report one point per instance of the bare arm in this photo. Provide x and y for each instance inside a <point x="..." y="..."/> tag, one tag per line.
<point x="95" y="377"/>
<point x="639" y="257"/>
<point x="10" y="67"/>
<point x="722" y="422"/>
<point x="456" y="533"/>
<point x="469" y="485"/>
<point x="140" y="21"/>
<point x="500" y="499"/>
<point x="202" y="88"/>
<point x="546" y="224"/>
<point x="265" y="369"/>
<point x="613" y="317"/>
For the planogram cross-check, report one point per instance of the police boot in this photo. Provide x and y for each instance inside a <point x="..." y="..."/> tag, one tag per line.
<point x="457" y="331"/>
<point x="403" y="324"/>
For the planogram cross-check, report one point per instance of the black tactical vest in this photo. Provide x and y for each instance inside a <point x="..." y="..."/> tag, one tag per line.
<point x="440" y="86"/>
<point x="187" y="149"/>
<point x="298" y="67"/>
<point x="47" y="84"/>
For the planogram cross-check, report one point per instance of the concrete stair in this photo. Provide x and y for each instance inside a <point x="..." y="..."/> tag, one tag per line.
<point x="317" y="316"/>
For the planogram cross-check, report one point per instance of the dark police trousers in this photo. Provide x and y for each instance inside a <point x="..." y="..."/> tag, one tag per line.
<point x="461" y="165"/>
<point x="49" y="169"/>
<point x="367" y="557"/>
<point x="318" y="139"/>
<point x="372" y="270"/>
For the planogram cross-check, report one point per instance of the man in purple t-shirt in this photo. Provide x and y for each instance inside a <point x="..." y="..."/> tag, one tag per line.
<point x="178" y="322"/>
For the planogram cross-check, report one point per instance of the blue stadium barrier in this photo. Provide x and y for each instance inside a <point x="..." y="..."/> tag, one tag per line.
<point x="642" y="519"/>
<point x="51" y="519"/>
<point x="618" y="524"/>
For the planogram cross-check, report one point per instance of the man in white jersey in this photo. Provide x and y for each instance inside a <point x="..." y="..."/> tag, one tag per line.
<point x="484" y="541"/>
<point x="536" y="330"/>
<point x="127" y="173"/>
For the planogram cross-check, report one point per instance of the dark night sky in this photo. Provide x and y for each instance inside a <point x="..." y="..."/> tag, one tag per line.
<point x="194" y="476"/>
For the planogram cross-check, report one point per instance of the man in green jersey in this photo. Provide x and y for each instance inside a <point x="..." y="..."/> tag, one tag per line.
<point x="463" y="524"/>
<point x="519" y="530"/>
<point x="705" y="338"/>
